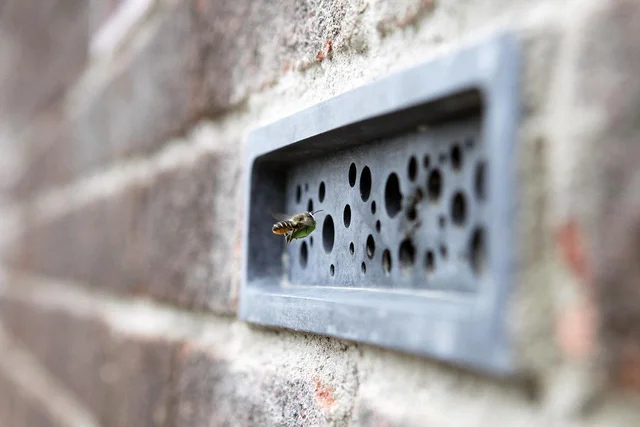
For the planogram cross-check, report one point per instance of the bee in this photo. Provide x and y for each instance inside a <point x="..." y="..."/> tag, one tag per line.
<point x="297" y="226"/>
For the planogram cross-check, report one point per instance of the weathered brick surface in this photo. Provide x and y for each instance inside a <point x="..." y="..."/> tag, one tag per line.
<point x="124" y="381"/>
<point x="18" y="410"/>
<point x="174" y="237"/>
<point x="44" y="48"/>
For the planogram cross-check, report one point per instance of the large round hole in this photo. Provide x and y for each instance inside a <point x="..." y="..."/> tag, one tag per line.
<point x="406" y="254"/>
<point x="310" y="206"/>
<point x="479" y="181"/>
<point x="353" y="172"/>
<point x="477" y="251"/>
<point x="365" y="183"/>
<point x="304" y="254"/>
<point x="352" y="248"/>
<point x="346" y="216"/>
<point x="373" y="207"/>
<point x="371" y="246"/>
<point x="430" y="262"/>
<point x="392" y="195"/>
<point x="458" y="209"/>
<point x="378" y="226"/>
<point x="412" y="168"/>
<point x="332" y="270"/>
<point x="363" y="267"/>
<point x="298" y="194"/>
<point x="328" y="234"/>
<point x="386" y="261"/>
<point x="321" y="192"/>
<point x="456" y="157"/>
<point x="434" y="185"/>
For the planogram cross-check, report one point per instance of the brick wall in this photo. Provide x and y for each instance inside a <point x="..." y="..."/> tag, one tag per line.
<point x="122" y="126"/>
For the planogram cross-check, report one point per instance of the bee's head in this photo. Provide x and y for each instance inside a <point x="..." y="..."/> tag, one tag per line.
<point x="311" y="214"/>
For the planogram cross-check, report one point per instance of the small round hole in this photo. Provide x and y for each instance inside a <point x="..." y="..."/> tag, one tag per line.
<point x="365" y="183"/>
<point x="456" y="157"/>
<point x="328" y="234"/>
<point x="311" y="241"/>
<point x="353" y="172"/>
<point x="458" y="209"/>
<point x="442" y="221"/>
<point x="443" y="251"/>
<point x="352" y="248"/>
<point x="386" y="261"/>
<point x="412" y="213"/>
<point x="430" y="262"/>
<point x="442" y="158"/>
<point x="310" y="206"/>
<point x="346" y="216"/>
<point x="306" y="186"/>
<point x="434" y="185"/>
<point x="371" y="246"/>
<point x="373" y="207"/>
<point x="469" y="143"/>
<point x="321" y="192"/>
<point x="426" y="161"/>
<point x="479" y="181"/>
<point x="406" y="254"/>
<point x="363" y="267"/>
<point x="477" y="251"/>
<point x="304" y="254"/>
<point x="412" y="168"/>
<point x="332" y="270"/>
<point x="298" y="194"/>
<point x="392" y="195"/>
<point x="378" y="226"/>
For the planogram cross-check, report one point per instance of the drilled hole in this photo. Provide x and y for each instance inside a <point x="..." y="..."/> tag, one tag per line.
<point x="412" y="213"/>
<point x="304" y="254"/>
<point x="352" y="248"/>
<point x="310" y="206"/>
<point x="412" y="168"/>
<point x="328" y="234"/>
<point x="346" y="216"/>
<point x="373" y="207"/>
<point x="365" y="183"/>
<point x="442" y="221"/>
<point x="353" y="172"/>
<point x="426" y="161"/>
<point x="442" y="158"/>
<point x="392" y="195"/>
<point x="434" y="185"/>
<point x="443" y="251"/>
<point x="378" y="226"/>
<point x="469" y="143"/>
<point x="477" y="251"/>
<point x="363" y="267"/>
<point x="458" y="209"/>
<point x="321" y="192"/>
<point x="406" y="254"/>
<point x="456" y="157"/>
<point x="298" y="194"/>
<point x="311" y="241"/>
<point x="332" y="270"/>
<point x="430" y="262"/>
<point x="386" y="261"/>
<point x="479" y="181"/>
<point x="371" y="246"/>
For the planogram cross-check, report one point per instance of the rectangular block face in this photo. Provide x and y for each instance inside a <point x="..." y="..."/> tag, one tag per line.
<point x="413" y="178"/>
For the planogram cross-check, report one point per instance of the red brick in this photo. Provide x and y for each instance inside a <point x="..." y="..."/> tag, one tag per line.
<point x="173" y="239"/>
<point x="125" y="381"/>
<point x="17" y="409"/>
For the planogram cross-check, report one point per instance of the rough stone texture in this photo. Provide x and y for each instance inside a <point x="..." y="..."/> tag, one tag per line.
<point x="154" y="238"/>
<point x="18" y="410"/>
<point x="124" y="382"/>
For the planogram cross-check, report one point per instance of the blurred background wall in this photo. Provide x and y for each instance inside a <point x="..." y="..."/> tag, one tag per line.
<point x="122" y="124"/>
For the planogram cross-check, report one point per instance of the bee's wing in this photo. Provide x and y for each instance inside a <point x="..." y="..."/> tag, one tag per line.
<point x="280" y="216"/>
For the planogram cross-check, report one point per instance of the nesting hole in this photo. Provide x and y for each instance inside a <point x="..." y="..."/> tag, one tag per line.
<point x="443" y="251"/>
<point x="442" y="221"/>
<point x="352" y="248"/>
<point x="304" y="254"/>
<point x="426" y="161"/>
<point x="310" y="206"/>
<point x="346" y="216"/>
<point x="479" y="181"/>
<point x="365" y="183"/>
<point x="371" y="246"/>
<point x="298" y="194"/>
<point x="363" y="267"/>
<point x="311" y="241"/>
<point x="477" y="251"/>
<point x="332" y="270"/>
<point x="378" y="226"/>
<point x="430" y="262"/>
<point x="321" y="192"/>
<point x="353" y="173"/>
<point x="458" y="209"/>
<point x="328" y="234"/>
<point x="392" y="195"/>
<point x="406" y="254"/>
<point x="434" y="185"/>
<point x="412" y="168"/>
<point x="442" y="158"/>
<point x="373" y="207"/>
<point x="456" y="157"/>
<point x="469" y="143"/>
<point x="306" y="186"/>
<point x="386" y="261"/>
